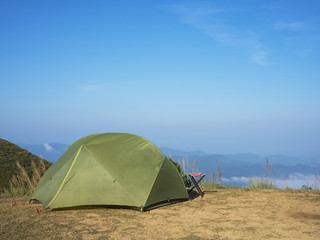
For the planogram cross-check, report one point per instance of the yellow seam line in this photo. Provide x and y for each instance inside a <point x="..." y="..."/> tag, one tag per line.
<point x="65" y="178"/>
<point x="155" y="179"/>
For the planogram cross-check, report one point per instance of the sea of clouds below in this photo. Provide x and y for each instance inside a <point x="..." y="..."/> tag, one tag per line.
<point x="294" y="181"/>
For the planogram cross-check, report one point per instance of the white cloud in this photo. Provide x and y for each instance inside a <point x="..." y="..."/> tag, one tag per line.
<point x="302" y="38"/>
<point x="48" y="147"/>
<point x="294" y="181"/>
<point x="241" y="180"/>
<point x="297" y="180"/>
<point x="198" y="16"/>
<point x="294" y="26"/>
<point x="260" y="58"/>
<point x="213" y="23"/>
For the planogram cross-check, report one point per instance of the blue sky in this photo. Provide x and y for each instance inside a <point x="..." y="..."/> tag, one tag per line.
<point x="219" y="76"/>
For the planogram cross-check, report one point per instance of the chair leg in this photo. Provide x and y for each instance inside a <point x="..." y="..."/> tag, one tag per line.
<point x="195" y="185"/>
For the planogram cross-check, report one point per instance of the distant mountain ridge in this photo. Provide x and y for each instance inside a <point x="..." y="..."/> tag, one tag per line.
<point x="49" y="151"/>
<point x="175" y="152"/>
<point x="233" y="166"/>
<point x="238" y="169"/>
<point x="247" y="158"/>
<point x="53" y="151"/>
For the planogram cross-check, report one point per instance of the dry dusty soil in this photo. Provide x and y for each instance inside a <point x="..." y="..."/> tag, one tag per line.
<point x="232" y="213"/>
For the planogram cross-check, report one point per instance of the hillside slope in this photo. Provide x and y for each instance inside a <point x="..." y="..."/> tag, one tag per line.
<point x="9" y="155"/>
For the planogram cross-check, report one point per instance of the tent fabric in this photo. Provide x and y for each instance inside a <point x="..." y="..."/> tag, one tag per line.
<point x="117" y="169"/>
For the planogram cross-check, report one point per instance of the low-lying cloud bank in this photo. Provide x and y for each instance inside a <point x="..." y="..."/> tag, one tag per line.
<point x="294" y="181"/>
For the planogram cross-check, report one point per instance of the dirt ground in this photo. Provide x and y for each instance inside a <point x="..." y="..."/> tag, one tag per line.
<point x="232" y="213"/>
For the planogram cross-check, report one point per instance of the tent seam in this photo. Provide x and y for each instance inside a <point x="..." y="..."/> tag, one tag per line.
<point x="106" y="170"/>
<point x="152" y="186"/>
<point x="165" y="159"/>
<point x="65" y="178"/>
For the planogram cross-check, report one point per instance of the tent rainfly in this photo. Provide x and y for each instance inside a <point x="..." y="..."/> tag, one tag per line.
<point x="115" y="169"/>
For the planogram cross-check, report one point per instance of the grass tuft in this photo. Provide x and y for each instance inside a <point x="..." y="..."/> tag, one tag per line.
<point x="261" y="183"/>
<point x="211" y="184"/>
<point x="21" y="183"/>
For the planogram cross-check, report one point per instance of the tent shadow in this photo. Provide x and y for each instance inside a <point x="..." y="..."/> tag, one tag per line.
<point x="211" y="191"/>
<point x="194" y="194"/>
<point x="91" y="207"/>
<point x="120" y="207"/>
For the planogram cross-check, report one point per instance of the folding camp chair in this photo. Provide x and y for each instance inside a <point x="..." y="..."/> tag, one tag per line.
<point x="195" y="183"/>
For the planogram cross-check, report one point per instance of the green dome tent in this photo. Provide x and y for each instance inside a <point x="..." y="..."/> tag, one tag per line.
<point x="115" y="169"/>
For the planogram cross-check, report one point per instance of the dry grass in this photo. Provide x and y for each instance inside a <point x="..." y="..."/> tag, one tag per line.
<point x="261" y="183"/>
<point x="21" y="182"/>
<point x="219" y="175"/>
<point x="232" y="213"/>
<point x="36" y="174"/>
<point x="23" y="176"/>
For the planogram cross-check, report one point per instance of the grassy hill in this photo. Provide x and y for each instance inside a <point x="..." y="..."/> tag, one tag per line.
<point x="10" y="154"/>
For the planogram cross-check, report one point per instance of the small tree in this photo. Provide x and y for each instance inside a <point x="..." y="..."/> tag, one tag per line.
<point x="185" y="178"/>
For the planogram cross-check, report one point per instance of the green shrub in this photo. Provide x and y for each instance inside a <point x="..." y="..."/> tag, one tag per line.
<point x="185" y="178"/>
